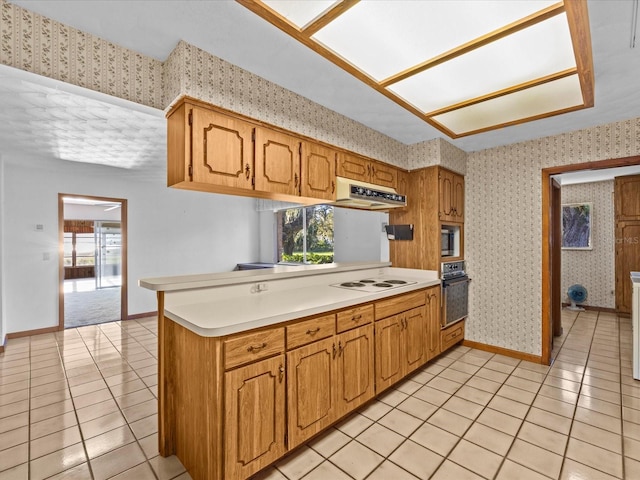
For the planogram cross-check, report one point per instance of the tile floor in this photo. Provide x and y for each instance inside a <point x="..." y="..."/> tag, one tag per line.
<point x="82" y="404"/>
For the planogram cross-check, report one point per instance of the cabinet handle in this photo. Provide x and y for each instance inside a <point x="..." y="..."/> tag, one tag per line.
<point x="295" y="179"/>
<point x="368" y="169"/>
<point x="255" y="348"/>
<point x="356" y="318"/>
<point x="314" y="331"/>
<point x="334" y="350"/>
<point x="340" y="348"/>
<point x="247" y="171"/>
<point x="281" y="373"/>
<point x="333" y="186"/>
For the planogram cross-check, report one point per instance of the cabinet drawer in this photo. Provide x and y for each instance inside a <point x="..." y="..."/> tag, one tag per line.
<point x="452" y="335"/>
<point x="252" y="346"/>
<point x="354" y="317"/>
<point x="402" y="303"/>
<point x="311" y="330"/>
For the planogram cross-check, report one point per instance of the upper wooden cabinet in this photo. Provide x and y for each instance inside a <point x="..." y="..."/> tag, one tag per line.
<point x="277" y="162"/>
<point x="222" y="149"/>
<point x="627" y="198"/>
<point x="318" y="171"/>
<point x="451" y="196"/>
<point x="366" y="170"/>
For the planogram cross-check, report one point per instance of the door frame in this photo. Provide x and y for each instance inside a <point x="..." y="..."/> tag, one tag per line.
<point x="547" y="232"/>
<point x="124" y="269"/>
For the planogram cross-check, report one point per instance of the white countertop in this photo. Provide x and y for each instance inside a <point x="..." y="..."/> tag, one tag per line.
<point x="238" y="306"/>
<point x="187" y="282"/>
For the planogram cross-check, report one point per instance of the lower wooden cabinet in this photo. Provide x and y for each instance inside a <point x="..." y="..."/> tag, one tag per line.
<point x="400" y="346"/>
<point x="253" y="396"/>
<point x="327" y="379"/>
<point x="255" y="420"/>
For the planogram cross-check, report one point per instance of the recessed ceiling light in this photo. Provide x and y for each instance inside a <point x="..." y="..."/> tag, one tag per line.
<point x="456" y="64"/>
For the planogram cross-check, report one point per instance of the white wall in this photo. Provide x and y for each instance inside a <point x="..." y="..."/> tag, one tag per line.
<point x="595" y="269"/>
<point x="3" y="327"/>
<point x="359" y="235"/>
<point x="170" y="232"/>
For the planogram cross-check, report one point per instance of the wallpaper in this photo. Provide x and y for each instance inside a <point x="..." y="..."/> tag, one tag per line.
<point x="194" y="72"/>
<point x="595" y="269"/>
<point x="34" y="43"/>
<point x="503" y="219"/>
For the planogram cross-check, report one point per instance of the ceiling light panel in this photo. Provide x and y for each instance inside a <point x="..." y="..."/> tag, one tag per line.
<point x="529" y="54"/>
<point x="383" y="37"/>
<point x="300" y="13"/>
<point x="556" y="96"/>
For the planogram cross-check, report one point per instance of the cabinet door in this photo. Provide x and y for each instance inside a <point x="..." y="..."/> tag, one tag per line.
<point x="277" y="162"/>
<point x="627" y="260"/>
<point x="254" y="417"/>
<point x="446" y="196"/>
<point x="318" y="171"/>
<point x="413" y="333"/>
<point x="351" y="166"/>
<point x="389" y="352"/>
<point x="355" y="368"/>
<point x="458" y="198"/>
<point x="222" y="150"/>
<point x="433" y="323"/>
<point x="627" y="198"/>
<point x="382" y="174"/>
<point x="311" y="389"/>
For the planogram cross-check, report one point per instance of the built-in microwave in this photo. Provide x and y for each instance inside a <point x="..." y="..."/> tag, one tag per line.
<point x="450" y="241"/>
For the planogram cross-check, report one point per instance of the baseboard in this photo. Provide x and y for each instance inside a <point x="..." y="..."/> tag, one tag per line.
<point x="142" y="315"/>
<point x="529" y="357"/>
<point x="2" y="342"/>
<point x="594" y="309"/>
<point x="28" y="333"/>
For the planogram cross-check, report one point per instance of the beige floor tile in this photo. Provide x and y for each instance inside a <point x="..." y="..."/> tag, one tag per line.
<point x="79" y="472"/>
<point x="393" y="397"/>
<point x="602" y="384"/>
<point x="595" y="457"/>
<point x="54" y="441"/>
<point x="601" y="394"/>
<point x="166" y="468"/>
<point x="131" y="399"/>
<point x="299" y="463"/>
<point x="101" y="425"/>
<point x="524" y="384"/>
<point x="417" y="408"/>
<point x="597" y="436"/>
<point x="566" y="374"/>
<point x="600" y="406"/>
<point x="451" y="422"/>
<point x="549" y="420"/>
<point x="356" y="460"/>
<point x="572" y="470"/>
<point x="106" y="442"/>
<point x="14" y="409"/>
<point x="444" y="385"/>
<point x="536" y="458"/>
<point x="375" y="410"/>
<point x="489" y="438"/>
<point x="510" y="407"/>
<point x="53" y="424"/>
<point x="325" y="471"/>
<point x="500" y="421"/>
<point x="462" y="407"/>
<point x="554" y="406"/>
<point x="328" y="443"/>
<point x="354" y="425"/>
<point x="92" y="398"/>
<point x="435" y="439"/>
<point x="145" y="427"/>
<point x="543" y="437"/>
<point x="512" y="471"/>
<point x="631" y="430"/>
<point x="408" y="386"/>
<point x="631" y="448"/>
<point x="475" y="458"/>
<point x="449" y="470"/>
<point x="416" y="459"/>
<point x="492" y="375"/>
<point x="117" y="461"/>
<point x="558" y="394"/>
<point x="142" y="471"/>
<point x="386" y="471"/>
<point x="421" y="377"/>
<point x="455" y="375"/>
<point x="149" y="445"/>
<point x="475" y="395"/>
<point x="380" y="439"/>
<point x="13" y="456"/>
<point x="432" y="395"/>
<point x="140" y="411"/>
<point x="400" y="422"/>
<point x="631" y="468"/>
<point x="606" y="422"/>
<point x="57" y="462"/>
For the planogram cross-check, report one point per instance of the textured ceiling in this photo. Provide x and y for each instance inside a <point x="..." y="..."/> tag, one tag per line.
<point x="44" y="118"/>
<point x="124" y="135"/>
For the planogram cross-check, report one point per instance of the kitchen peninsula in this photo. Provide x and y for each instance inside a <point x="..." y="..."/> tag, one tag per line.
<point x="254" y="363"/>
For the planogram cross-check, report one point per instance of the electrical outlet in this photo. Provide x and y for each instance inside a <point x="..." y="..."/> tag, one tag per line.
<point x="39" y="227"/>
<point x="46" y="256"/>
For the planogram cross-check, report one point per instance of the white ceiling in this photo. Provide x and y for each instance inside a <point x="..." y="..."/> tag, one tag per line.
<point x="77" y="125"/>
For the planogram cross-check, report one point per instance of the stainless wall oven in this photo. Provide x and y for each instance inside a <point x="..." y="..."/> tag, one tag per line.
<point x="455" y="293"/>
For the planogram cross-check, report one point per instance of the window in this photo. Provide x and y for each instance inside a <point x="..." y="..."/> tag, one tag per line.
<point x="305" y="235"/>
<point x="79" y="249"/>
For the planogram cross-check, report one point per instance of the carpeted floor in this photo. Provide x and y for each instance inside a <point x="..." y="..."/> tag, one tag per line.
<point x="85" y="306"/>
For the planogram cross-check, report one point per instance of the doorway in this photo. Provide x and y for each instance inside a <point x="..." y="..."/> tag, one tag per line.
<point x="92" y="235"/>
<point x="551" y="295"/>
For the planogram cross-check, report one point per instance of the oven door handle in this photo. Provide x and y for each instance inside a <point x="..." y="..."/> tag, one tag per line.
<point x="452" y="283"/>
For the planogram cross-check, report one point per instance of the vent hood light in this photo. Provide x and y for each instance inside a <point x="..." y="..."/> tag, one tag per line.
<point x="366" y="196"/>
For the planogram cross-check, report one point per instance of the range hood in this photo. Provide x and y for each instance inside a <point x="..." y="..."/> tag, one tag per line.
<point x="366" y="196"/>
